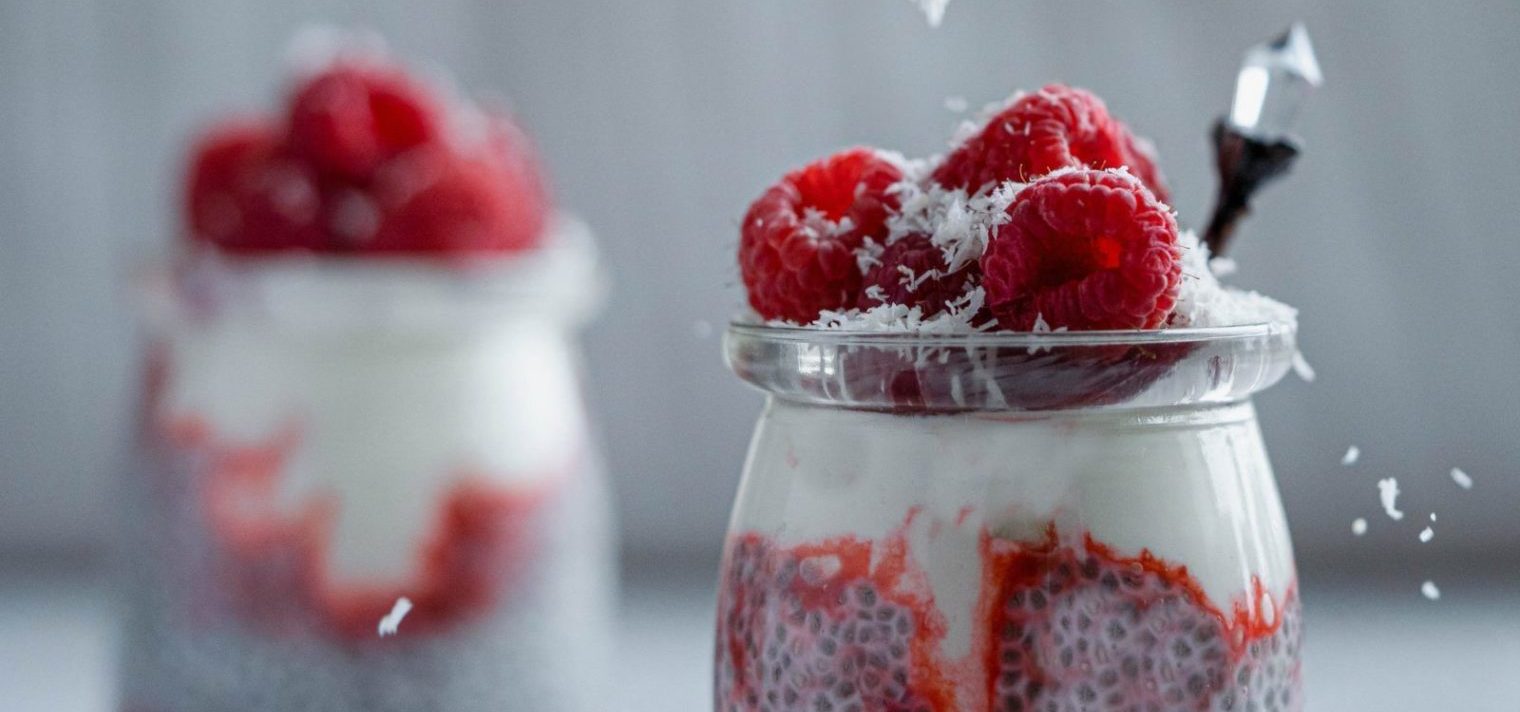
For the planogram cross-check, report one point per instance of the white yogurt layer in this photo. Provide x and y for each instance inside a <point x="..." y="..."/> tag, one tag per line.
<point x="1198" y="496"/>
<point x="384" y="425"/>
<point x="388" y="419"/>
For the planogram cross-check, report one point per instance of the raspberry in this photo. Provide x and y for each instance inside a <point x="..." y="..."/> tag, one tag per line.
<point x="1057" y="127"/>
<point x="815" y="628"/>
<point x="1081" y="628"/>
<point x="353" y="117"/>
<point x="246" y="195"/>
<point x="912" y="272"/>
<point x="1083" y="249"/>
<point x="798" y="242"/>
<point x="434" y="200"/>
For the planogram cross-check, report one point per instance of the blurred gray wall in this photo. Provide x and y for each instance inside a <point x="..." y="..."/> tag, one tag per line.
<point x="661" y="120"/>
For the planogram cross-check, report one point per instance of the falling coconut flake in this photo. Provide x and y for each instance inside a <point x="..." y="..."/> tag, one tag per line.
<point x="1427" y="534"/>
<point x="1359" y="526"/>
<point x="934" y="10"/>
<point x="956" y="104"/>
<point x="1432" y="516"/>
<point x="1302" y="368"/>
<point x="1431" y="592"/>
<point x="392" y="620"/>
<point x="1223" y="266"/>
<point x="1461" y="478"/>
<point x="1353" y="453"/>
<point x="1388" y="491"/>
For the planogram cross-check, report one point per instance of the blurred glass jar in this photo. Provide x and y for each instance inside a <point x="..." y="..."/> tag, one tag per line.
<point x="1008" y="522"/>
<point x="323" y="437"/>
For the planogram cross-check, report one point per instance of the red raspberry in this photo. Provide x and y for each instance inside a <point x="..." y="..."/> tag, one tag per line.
<point x="900" y="275"/>
<point x="797" y="245"/>
<point x="434" y="200"/>
<point x="1056" y="127"/>
<point x="245" y="195"/>
<point x="352" y="117"/>
<point x="1085" y="249"/>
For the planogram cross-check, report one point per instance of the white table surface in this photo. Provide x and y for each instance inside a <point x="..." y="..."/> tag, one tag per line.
<point x="1371" y="645"/>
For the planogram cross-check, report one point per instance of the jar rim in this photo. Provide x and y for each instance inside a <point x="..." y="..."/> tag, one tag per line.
<point x="560" y="281"/>
<point x="1008" y="339"/>
<point x="907" y="372"/>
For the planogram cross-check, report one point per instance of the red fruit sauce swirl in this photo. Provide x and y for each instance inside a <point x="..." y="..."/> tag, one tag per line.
<point x="272" y="565"/>
<point x="1060" y="625"/>
<point x="840" y="624"/>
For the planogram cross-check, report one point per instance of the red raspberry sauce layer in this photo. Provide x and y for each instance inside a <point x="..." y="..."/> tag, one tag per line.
<point x="1081" y="627"/>
<point x="271" y="563"/>
<point x="849" y="624"/>
<point x="838" y="625"/>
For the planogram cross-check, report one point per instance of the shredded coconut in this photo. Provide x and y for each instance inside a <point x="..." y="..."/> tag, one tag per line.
<point x="934" y="10"/>
<point x="1461" y="478"/>
<point x="1427" y="534"/>
<point x="974" y="125"/>
<point x="1301" y="367"/>
<point x="1203" y="301"/>
<point x="1359" y="526"/>
<point x="1388" y="492"/>
<point x="956" y="104"/>
<point x="1353" y="454"/>
<point x="955" y="319"/>
<point x="1430" y="591"/>
<point x="392" y="620"/>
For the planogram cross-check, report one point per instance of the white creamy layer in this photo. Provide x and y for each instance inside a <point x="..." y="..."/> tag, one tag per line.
<point x="387" y="421"/>
<point x="1201" y="497"/>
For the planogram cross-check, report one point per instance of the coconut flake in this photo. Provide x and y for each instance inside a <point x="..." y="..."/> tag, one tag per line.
<point x="1461" y="478"/>
<point x="1359" y="526"/>
<point x="956" y="104"/>
<point x="955" y="319"/>
<point x="1203" y="301"/>
<point x="1430" y="591"/>
<point x="1426" y="535"/>
<point x="1388" y="492"/>
<point x="1223" y="266"/>
<point x="1301" y="367"/>
<point x="934" y="10"/>
<point x="1353" y="454"/>
<point x="392" y="620"/>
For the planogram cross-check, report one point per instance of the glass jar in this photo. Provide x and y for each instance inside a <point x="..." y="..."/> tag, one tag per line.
<point x="368" y="484"/>
<point x="1033" y="521"/>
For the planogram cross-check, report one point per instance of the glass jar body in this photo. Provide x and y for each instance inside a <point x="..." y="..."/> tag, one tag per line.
<point x="293" y="484"/>
<point x="1098" y="559"/>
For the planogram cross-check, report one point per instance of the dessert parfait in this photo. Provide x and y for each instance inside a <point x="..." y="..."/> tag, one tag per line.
<point x="1008" y="459"/>
<point x="366" y="480"/>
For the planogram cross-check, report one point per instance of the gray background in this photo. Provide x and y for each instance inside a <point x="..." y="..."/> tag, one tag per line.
<point x="661" y="120"/>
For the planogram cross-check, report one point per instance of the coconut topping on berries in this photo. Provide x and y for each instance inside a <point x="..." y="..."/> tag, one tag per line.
<point x="1050" y="214"/>
<point x="364" y="158"/>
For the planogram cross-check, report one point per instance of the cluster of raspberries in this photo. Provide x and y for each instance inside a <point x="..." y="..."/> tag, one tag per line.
<point x="1087" y="242"/>
<point x="366" y="159"/>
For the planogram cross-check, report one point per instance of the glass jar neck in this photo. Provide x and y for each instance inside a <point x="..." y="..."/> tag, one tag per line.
<point x="1011" y="373"/>
<point x="1185" y="416"/>
<point x="554" y="287"/>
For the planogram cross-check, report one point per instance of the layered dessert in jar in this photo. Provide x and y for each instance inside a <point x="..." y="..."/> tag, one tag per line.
<point x="1008" y="459"/>
<point x="366" y="475"/>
